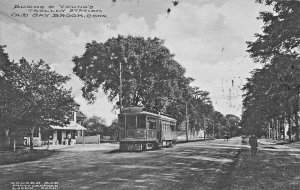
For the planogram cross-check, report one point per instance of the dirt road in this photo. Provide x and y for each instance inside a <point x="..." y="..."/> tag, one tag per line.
<point x="196" y="165"/>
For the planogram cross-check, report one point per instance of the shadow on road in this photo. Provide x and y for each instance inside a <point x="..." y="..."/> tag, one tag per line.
<point x="196" y="165"/>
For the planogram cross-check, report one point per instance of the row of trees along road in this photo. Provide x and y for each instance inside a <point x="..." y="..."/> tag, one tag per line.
<point x="272" y="93"/>
<point x="96" y="125"/>
<point x="31" y="96"/>
<point x="151" y="78"/>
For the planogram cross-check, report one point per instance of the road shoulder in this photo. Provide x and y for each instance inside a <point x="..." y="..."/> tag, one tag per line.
<point x="274" y="167"/>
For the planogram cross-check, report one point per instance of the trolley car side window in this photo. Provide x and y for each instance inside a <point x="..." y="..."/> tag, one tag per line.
<point x="163" y="124"/>
<point x="141" y="121"/>
<point x="151" y="123"/>
<point x="166" y="125"/>
<point x="173" y="126"/>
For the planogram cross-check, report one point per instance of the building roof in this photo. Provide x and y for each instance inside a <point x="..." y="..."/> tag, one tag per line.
<point x="142" y="110"/>
<point x="80" y="115"/>
<point x="71" y="126"/>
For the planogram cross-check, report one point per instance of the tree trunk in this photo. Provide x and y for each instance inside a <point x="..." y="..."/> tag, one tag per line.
<point x="7" y="139"/>
<point x="282" y="125"/>
<point x="186" y="120"/>
<point x="271" y="129"/>
<point x="48" y="143"/>
<point x="204" y="132"/>
<point x="276" y="129"/>
<point x="290" y="128"/>
<point x="297" y="124"/>
<point x="296" y="109"/>
<point x="213" y="129"/>
<point x="14" y="145"/>
<point x="31" y="138"/>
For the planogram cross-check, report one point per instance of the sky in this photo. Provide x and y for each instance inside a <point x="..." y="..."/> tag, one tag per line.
<point x="208" y="38"/>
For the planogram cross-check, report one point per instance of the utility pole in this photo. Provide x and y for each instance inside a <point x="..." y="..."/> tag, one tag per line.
<point x="213" y="123"/>
<point x="186" y="124"/>
<point x="113" y="57"/>
<point x="120" y="94"/>
<point x="269" y="130"/>
<point x="204" y="125"/>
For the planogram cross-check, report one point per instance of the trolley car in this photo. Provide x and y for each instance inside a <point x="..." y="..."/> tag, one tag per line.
<point x="141" y="129"/>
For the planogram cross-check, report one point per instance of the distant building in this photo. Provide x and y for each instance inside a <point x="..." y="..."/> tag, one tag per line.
<point x="60" y="134"/>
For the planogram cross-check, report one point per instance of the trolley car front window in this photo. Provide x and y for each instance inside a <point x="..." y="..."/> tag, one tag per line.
<point x="122" y="125"/>
<point x="130" y="122"/>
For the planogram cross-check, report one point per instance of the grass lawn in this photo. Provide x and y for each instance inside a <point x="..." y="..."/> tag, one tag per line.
<point x="23" y="155"/>
<point x="269" y="170"/>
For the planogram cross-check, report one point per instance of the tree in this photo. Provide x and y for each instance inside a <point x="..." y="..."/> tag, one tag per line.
<point x="95" y="126"/>
<point x="12" y="99"/>
<point x="272" y="94"/>
<point x="233" y="124"/>
<point x="220" y="122"/>
<point x="32" y="95"/>
<point x="47" y="101"/>
<point x="113" y="130"/>
<point x="150" y="76"/>
<point x="281" y="34"/>
<point x="201" y="111"/>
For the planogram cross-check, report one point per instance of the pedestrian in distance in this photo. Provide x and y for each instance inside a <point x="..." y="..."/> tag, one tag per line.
<point x="69" y="139"/>
<point x="226" y="137"/>
<point x="253" y="144"/>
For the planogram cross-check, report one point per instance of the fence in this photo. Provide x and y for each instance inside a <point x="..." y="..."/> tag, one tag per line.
<point x="88" y="140"/>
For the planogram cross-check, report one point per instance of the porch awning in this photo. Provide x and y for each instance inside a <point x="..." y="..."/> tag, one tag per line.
<point x="71" y="126"/>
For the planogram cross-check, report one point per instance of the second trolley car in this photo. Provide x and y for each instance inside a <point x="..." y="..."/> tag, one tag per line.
<point x="141" y="129"/>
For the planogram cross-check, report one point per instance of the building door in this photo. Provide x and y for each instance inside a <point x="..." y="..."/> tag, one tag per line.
<point x="59" y="136"/>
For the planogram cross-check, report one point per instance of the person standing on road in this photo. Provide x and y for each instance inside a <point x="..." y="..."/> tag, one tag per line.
<point x="69" y="139"/>
<point x="253" y="144"/>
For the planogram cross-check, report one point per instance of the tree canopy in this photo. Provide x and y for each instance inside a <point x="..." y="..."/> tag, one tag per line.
<point x="150" y="75"/>
<point x="272" y="92"/>
<point x="95" y="126"/>
<point x="32" y="94"/>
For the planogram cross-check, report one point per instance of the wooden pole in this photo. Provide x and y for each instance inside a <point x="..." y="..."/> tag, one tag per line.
<point x="120" y="95"/>
<point x="98" y="140"/>
<point x="213" y="129"/>
<point x="186" y="124"/>
<point x="82" y="138"/>
<point x="204" y="125"/>
<point x="283" y="126"/>
<point x="269" y="130"/>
